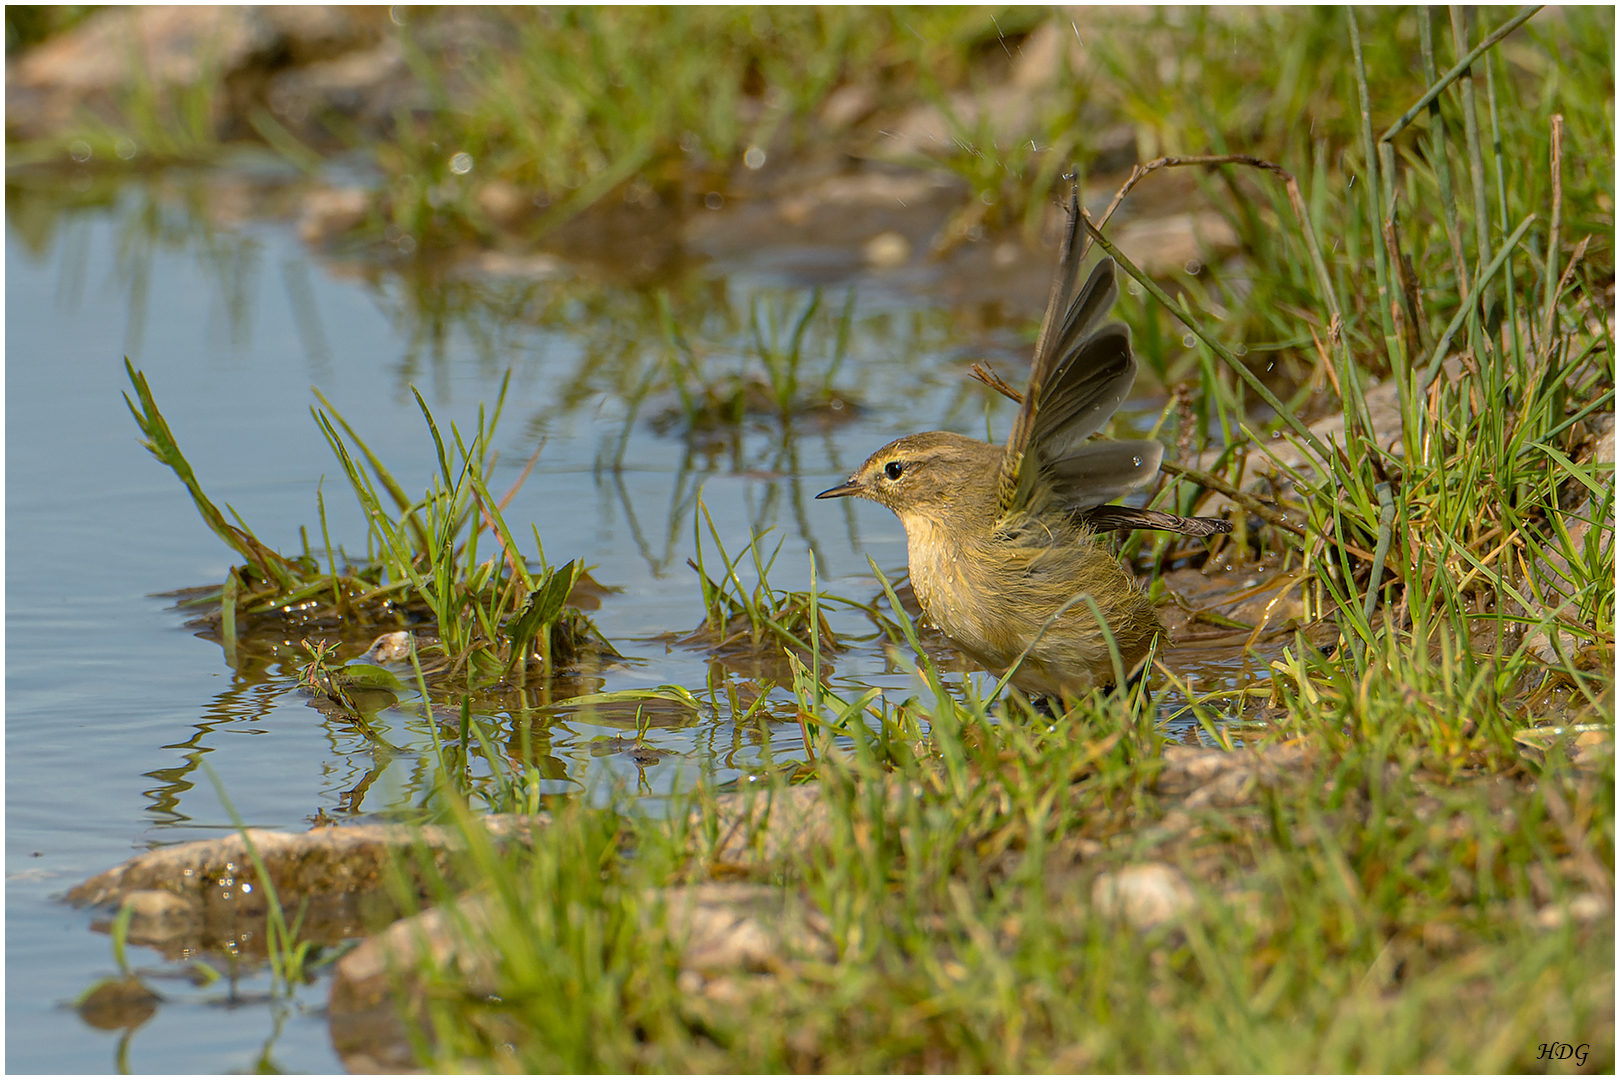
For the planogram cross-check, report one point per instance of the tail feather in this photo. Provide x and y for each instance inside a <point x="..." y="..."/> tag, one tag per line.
<point x="1109" y="518"/>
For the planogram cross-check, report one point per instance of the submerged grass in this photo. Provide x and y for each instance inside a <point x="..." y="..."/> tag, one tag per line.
<point x="474" y="623"/>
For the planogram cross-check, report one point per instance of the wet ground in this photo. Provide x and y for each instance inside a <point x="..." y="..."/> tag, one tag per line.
<point x="113" y="706"/>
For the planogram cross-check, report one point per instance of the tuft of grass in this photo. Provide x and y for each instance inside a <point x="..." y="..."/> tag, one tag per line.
<point x="481" y="621"/>
<point x="753" y="619"/>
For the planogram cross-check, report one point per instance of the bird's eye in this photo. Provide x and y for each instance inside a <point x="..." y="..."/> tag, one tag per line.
<point x="893" y="470"/>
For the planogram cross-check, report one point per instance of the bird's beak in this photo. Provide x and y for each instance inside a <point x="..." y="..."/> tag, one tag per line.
<point x="848" y="487"/>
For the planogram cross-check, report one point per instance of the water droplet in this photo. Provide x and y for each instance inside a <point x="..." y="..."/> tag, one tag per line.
<point x="754" y="158"/>
<point x="1136" y="461"/>
<point x="461" y="164"/>
<point x="79" y="150"/>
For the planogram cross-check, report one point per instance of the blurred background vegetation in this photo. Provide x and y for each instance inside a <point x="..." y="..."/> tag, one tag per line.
<point x="432" y="133"/>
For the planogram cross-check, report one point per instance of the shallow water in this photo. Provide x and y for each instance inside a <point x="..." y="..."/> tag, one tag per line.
<point x="112" y="706"/>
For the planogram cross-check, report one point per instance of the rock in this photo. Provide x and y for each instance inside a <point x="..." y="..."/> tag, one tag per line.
<point x="172" y="46"/>
<point x="1584" y="746"/>
<point x="868" y="188"/>
<point x="1583" y="908"/>
<point x="1220" y="778"/>
<point x="208" y="890"/>
<point x="118" y="1004"/>
<point x="329" y="212"/>
<point x="762" y="826"/>
<point x="158" y="915"/>
<point x="731" y="935"/>
<point x="433" y="934"/>
<point x="503" y="202"/>
<point x="1007" y="113"/>
<point x="887" y="250"/>
<point x="529" y="267"/>
<point x="314" y="30"/>
<point x="363" y="84"/>
<point x="365" y="1014"/>
<point x="389" y="648"/>
<point x="847" y="105"/>
<point x="741" y="927"/>
<point x="50" y="83"/>
<point x="1044" y="54"/>
<point x="1163" y="245"/>
<point x="1592" y="749"/>
<point x="1145" y="895"/>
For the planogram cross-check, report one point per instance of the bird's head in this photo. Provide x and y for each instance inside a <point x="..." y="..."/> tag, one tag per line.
<point x="935" y="474"/>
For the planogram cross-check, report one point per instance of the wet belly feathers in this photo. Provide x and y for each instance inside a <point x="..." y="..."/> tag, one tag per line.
<point x="994" y="603"/>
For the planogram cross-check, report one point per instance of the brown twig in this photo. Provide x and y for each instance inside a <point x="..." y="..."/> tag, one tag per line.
<point x="995" y="382"/>
<point x="524" y="475"/>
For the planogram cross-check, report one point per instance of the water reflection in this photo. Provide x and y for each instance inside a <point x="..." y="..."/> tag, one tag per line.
<point x="626" y="385"/>
<point x="612" y="378"/>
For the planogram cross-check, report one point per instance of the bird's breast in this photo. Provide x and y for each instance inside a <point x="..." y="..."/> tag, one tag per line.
<point x="952" y="578"/>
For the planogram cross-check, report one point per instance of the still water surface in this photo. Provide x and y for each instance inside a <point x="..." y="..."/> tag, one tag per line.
<point x="111" y="704"/>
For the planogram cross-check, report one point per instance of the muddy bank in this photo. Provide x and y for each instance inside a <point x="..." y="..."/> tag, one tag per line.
<point x="737" y="935"/>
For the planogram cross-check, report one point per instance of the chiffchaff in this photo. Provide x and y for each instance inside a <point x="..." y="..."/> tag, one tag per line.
<point x="1002" y="540"/>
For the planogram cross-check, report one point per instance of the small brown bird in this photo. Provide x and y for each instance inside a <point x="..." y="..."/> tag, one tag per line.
<point x="1002" y="540"/>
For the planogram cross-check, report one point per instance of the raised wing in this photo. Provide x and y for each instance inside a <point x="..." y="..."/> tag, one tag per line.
<point x="1096" y="472"/>
<point x="1079" y="377"/>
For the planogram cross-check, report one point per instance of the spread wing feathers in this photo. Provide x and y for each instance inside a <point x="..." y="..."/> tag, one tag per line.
<point x="1092" y="381"/>
<point x="1095" y="472"/>
<point x="1106" y="518"/>
<point x="1078" y="379"/>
